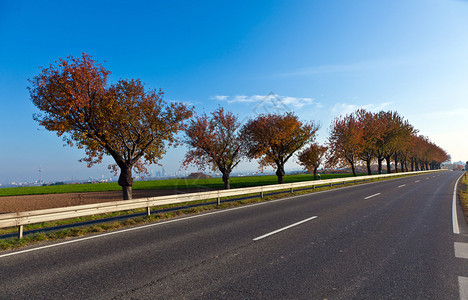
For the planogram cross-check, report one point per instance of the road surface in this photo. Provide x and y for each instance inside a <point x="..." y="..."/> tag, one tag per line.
<point x="392" y="239"/>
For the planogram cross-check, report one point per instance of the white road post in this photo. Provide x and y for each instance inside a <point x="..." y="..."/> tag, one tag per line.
<point x="20" y="232"/>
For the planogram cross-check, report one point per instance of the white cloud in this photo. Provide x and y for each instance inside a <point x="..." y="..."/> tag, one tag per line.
<point x="342" y="109"/>
<point x="272" y="99"/>
<point x="220" y="98"/>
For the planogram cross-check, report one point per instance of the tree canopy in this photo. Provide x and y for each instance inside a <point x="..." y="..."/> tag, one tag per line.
<point x="345" y="142"/>
<point x="369" y="137"/>
<point x="312" y="157"/>
<point x="274" y="138"/>
<point x="123" y="120"/>
<point x="215" y="142"/>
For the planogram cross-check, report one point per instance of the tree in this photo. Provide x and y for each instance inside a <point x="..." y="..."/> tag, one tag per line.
<point x="125" y="121"/>
<point x="396" y="132"/>
<point x="214" y="141"/>
<point x="311" y="158"/>
<point x="345" y="141"/>
<point x="402" y="143"/>
<point x="274" y="138"/>
<point x="372" y="134"/>
<point x="385" y="145"/>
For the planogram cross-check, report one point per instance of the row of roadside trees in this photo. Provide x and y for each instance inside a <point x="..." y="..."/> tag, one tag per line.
<point x="220" y="142"/>
<point x="135" y="126"/>
<point x="384" y="136"/>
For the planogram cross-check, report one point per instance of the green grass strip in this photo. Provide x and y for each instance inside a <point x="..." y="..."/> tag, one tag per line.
<point x="211" y="183"/>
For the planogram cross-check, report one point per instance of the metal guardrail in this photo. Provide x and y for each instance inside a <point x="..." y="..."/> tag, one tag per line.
<point x="37" y="216"/>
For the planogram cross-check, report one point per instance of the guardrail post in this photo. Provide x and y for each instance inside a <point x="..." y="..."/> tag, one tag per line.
<point x="261" y="194"/>
<point x="292" y="190"/>
<point x="218" y="201"/>
<point x="20" y="232"/>
<point x="331" y="183"/>
<point x="148" y="211"/>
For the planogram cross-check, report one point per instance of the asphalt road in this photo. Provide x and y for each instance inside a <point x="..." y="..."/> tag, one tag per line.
<point x="386" y="240"/>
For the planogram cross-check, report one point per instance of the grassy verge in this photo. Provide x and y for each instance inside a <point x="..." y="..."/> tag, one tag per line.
<point x="463" y="192"/>
<point x="13" y="243"/>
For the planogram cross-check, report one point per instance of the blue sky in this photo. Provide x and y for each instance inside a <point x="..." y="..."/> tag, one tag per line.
<point x="322" y="59"/>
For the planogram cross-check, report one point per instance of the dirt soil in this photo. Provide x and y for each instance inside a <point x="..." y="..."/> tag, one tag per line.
<point x="35" y="202"/>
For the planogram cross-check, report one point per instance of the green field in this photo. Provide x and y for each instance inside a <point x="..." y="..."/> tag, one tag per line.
<point x="212" y="183"/>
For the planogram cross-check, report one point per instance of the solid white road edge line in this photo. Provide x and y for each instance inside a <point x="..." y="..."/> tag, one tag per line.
<point x="371" y="196"/>
<point x="456" y="229"/>
<point x="284" y="228"/>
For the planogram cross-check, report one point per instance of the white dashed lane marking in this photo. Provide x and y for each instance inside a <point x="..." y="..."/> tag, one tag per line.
<point x="284" y="228"/>
<point x="372" y="196"/>
<point x="463" y="284"/>
<point x="461" y="250"/>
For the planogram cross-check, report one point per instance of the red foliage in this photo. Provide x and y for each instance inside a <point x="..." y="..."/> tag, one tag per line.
<point x="214" y="142"/>
<point x="275" y="138"/>
<point x="311" y="158"/>
<point x="124" y="120"/>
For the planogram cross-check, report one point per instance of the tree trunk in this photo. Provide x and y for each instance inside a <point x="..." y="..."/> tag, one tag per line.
<point x="402" y="165"/>
<point x="280" y="173"/>
<point x="368" y="163"/>
<point x="227" y="185"/>
<point x="353" y="169"/>
<point x="389" y="167"/>
<point x="126" y="182"/>
<point x="379" y="161"/>
<point x="412" y="165"/>
<point x="315" y="173"/>
<point x="127" y="192"/>
<point x="396" y="164"/>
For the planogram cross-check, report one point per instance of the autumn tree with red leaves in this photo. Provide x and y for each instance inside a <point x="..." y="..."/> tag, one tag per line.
<point x="123" y="120"/>
<point x="214" y="142"/>
<point x="274" y="138"/>
<point x="373" y="132"/>
<point x="312" y="157"/>
<point x="345" y="142"/>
